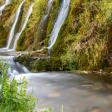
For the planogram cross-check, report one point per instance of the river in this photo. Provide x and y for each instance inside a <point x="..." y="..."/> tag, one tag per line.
<point x="75" y="93"/>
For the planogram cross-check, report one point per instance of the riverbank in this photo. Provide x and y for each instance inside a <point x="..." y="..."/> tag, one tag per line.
<point x="40" y="64"/>
<point x="99" y="76"/>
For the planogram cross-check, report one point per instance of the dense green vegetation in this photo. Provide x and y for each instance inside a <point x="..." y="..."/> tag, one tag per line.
<point x="13" y="96"/>
<point x="83" y="39"/>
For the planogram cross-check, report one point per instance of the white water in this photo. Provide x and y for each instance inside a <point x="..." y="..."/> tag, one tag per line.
<point x="59" y="22"/>
<point x="11" y="34"/>
<point x="7" y="2"/>
<point x="15" y="67"/>
<point x="23" y="27"/>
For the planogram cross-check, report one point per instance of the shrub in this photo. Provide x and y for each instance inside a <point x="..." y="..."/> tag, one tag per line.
<point x="13" y="97"/>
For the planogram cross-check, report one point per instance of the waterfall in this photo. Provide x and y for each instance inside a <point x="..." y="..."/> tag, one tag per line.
<point x="3" y="6"/>
<point x="11" y="34"/>
<point x="59" y="22"/>
<point x="24" y="26"/>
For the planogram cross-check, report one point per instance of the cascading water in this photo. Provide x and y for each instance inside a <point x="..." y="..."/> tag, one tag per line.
<point x="3" y="6"/>
<point x="11" y="34"/>
<point x="23" y="27"/>
<point x="15" y="67"/>
<point x="59" y="22"/>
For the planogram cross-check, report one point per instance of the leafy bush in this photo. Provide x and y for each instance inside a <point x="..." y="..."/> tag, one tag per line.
<point x="13" y="97"/>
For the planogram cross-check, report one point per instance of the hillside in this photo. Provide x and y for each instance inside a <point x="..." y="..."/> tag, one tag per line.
<point x="84" y="39"/>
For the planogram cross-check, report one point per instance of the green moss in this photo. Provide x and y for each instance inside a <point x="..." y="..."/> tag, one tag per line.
<point x="29" y="37"/>
<point x="42" y="64"/>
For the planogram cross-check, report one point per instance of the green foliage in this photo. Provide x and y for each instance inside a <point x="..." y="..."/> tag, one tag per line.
<point x="13" y="97"/>
<point x="82" y="42"/>
<point x="29" y="38"/>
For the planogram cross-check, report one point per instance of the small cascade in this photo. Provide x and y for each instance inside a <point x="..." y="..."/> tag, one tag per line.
<point x="7" y="2"/>
<point x="15" y="67"/>
<point x="59" y="22"/>
<point x="11" y="34"/>
<point x="23" y="27"/>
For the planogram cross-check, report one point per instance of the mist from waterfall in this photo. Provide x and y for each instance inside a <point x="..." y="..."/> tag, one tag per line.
<point x="59" y="22"/>
<point x="7" y="2"/>
<point x="12" y="31"/>
<point x="23" y="27"/>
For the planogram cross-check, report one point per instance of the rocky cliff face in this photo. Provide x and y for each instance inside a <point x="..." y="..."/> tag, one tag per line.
<point x="84" y="41"/>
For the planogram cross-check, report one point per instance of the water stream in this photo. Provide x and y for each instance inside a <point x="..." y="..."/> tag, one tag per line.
<point x="23" y="27"/>
<point x="7" y="2"/>
<point x="59" y="22"/>
<point x="12" y="31"/>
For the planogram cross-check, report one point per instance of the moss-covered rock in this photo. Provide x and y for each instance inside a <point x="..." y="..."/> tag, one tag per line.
<point x="42" y="63"/>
